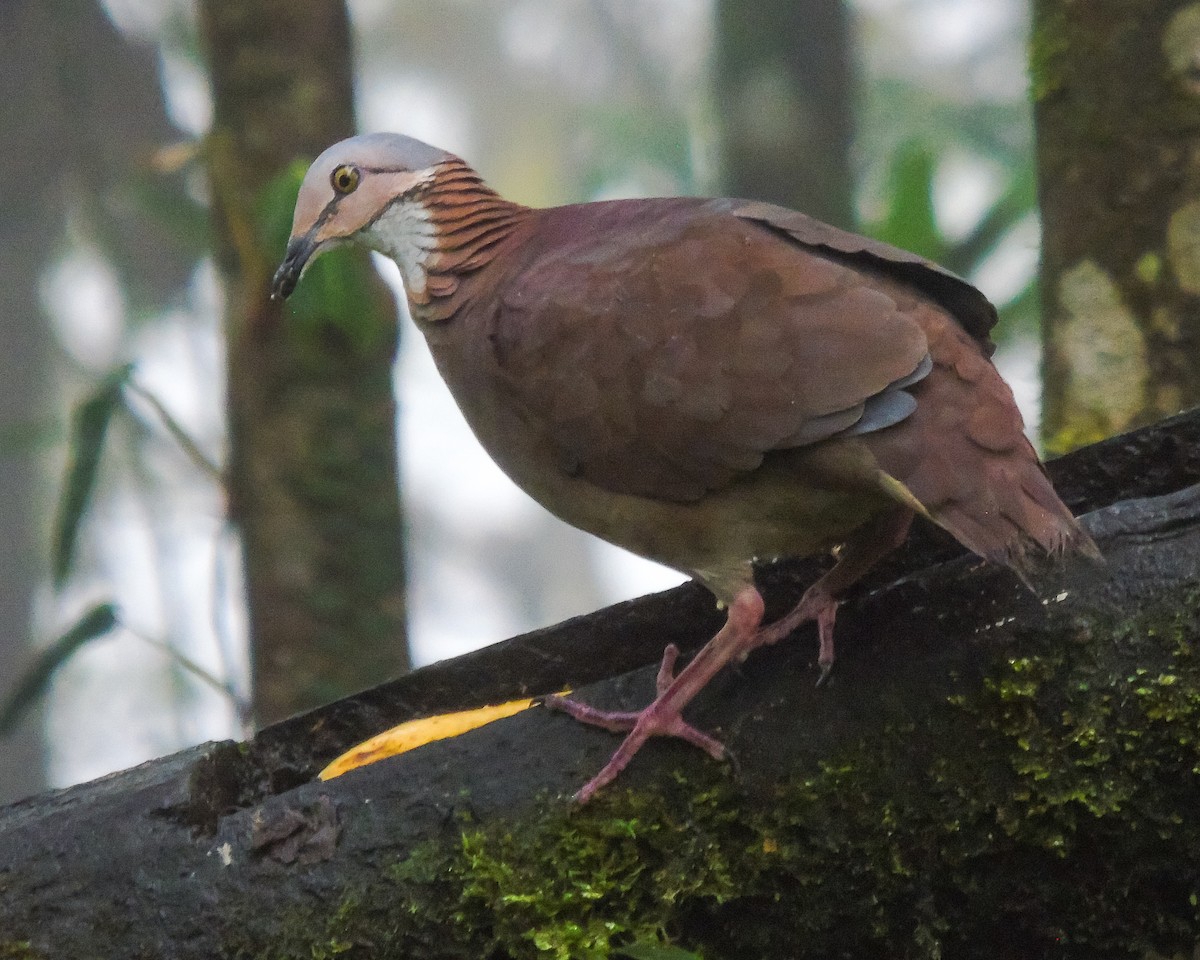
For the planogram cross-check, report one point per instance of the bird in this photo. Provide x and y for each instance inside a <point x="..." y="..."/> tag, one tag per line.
<point x="708" y="383"/>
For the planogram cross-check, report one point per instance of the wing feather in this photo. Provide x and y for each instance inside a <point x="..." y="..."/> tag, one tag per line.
<point x="665" y="347"/>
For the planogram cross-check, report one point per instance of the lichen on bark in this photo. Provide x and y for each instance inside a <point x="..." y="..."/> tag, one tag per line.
<point x="1117" y="110"/>
<point x="1101" y="333"/>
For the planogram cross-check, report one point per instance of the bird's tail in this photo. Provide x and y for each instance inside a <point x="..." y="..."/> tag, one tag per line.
<point x="964" y="456"/>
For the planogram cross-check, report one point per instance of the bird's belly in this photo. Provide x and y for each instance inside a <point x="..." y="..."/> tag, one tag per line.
<point x="770" y="513"/>
<point x="794" y="504"/>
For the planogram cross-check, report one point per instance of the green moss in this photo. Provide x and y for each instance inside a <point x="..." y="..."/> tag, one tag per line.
<point x="1058" y="818"/>
<point x="1149" y="268"/>
<point x="17" y="950"/>
<point x="1047" y="44"/>
<point x="1089" y="426"/>
<point x="624" y="870"/>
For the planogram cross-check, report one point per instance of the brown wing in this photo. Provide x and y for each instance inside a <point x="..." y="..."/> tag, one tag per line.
<point x="970" y="308"/>
<point x="664" y="347"/>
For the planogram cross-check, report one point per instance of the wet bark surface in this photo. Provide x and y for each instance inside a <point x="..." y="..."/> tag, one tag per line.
<point x="219" y="844"/>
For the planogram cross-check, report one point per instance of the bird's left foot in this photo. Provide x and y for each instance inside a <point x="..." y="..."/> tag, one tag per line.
<point x="819" y="605"/>
<point x="662" y="718"/>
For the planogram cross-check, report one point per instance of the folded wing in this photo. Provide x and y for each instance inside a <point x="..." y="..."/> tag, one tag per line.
<point x="669" y="346"/>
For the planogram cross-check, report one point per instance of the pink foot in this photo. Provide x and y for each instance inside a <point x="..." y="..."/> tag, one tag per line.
<point x="816" y="604"/>
<point x="743" y="632"/>
<point x="659" y="719"/>
<point x="663" y="717"/>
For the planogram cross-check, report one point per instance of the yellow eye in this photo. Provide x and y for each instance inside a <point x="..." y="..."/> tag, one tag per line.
<point x="345" y="178"/>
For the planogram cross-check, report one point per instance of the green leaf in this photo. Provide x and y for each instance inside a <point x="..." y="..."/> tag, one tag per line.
<point x="86" y="444"/>
<point x="910" y="222"/>
<point x="657" y="951"/>
<point x="276" y="202"/>
<point x="95" y="623"/>
<point x="338" y="291"/>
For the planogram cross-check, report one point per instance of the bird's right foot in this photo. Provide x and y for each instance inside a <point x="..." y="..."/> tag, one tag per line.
<point x="662" y="718"/>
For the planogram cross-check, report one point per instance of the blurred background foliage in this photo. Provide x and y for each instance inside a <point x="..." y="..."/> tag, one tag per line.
<point x="125" y="626"/>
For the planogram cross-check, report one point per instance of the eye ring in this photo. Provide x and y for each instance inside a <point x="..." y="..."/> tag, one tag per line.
<point x="345" y="178"/>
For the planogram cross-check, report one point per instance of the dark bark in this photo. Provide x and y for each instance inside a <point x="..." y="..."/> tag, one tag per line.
<point x="312" y="470"/>
<point x="1117" y="112"/>
<point x="908" y="792"/>
<point x="784" y="95"/>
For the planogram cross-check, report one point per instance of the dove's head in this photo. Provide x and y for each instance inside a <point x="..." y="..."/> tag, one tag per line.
<point x="362" y="190"/>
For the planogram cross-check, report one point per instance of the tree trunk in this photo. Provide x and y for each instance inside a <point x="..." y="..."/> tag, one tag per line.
<point x="312" y="465"/>
<point x="992" y="776"/>
<point x="1117" y="111"/>
<point x="784" y="95"/>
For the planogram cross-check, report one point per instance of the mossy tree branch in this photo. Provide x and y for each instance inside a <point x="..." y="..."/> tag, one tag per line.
<point x="991" y="774"/>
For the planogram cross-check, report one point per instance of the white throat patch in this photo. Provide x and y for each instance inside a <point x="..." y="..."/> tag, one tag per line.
<point x="405" y="233"/>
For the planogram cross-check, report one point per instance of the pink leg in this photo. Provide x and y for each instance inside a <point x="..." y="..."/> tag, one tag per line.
<point x="664" y="716"/>
<point x="865" y="547"/>
<point x="743" y="632"/>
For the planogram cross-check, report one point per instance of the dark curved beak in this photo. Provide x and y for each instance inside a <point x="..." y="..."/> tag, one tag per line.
<point x="299" y="252"/>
